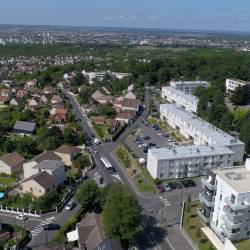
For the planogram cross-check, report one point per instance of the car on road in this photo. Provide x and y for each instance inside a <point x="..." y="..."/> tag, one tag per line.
<point x="51" y="226"/>
<point x="70" y="205"/>
<point x="22" y="217"/>
<point x="95" y="151"/>
<point x="167" y="187"/>
<point x="160" y="189"/>
<point x="151" y="144"/>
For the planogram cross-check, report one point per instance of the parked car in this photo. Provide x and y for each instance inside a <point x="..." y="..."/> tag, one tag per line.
<point x="160" y="189"/>
<point x="172" y="185"/>
<point x="179" y="185"/>
<point x="51" y="226"/>
<point x="167" y="187"/>
<point x="70" y="205"/>
<point x="151" y="144"/>
<point x="191" y="182"/>
<point x="146" y="137"/>
<point x="22" y="217"/>
<point x="185" y="183"/>
<point x="145" y="150"/>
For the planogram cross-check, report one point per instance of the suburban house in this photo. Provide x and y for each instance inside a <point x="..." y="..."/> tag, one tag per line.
<point x="99" y="120"/>
<point x="16" y="101"/>
<point x="130" y="95"/>
<point x="24" y="128"/>
<point x="56" y="99"/>
<point x="38" y="184"/>
<point x="125" y="117"/>
<point x="100" y="97"/>
<point x="52" y="167"/>
<point x="89" y="234"/>
<point x="112" y="124"/>
<point x="130" y="104"/>
<point x="117" y="103"/>
<point x="34" y="104"/>
<point x="46" y="155"/>
<point x="31" y="83"/>
<point x="67" y="153"/>
<point x="11" y="163"/>
<point x="5" y="96"/>
<point x="21" y="93"/>
<point x="58" y="114"/>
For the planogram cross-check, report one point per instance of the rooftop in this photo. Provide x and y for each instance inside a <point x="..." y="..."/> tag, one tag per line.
<point x="204" y="127"/>
<point x="238" y="80"/>
<point x="237" y="178"/>
<point x="49" y="164"/>
<point x="187" y="97"/>
<point x="182" y="152"/>
<point x="12" y="159"/>
<point x="190" y="82"/>
<point x="26" y="126"/>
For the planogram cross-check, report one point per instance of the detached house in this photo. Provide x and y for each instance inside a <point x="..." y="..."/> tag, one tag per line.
<point x="58" y="114"/>
<point x="39" y="184"/>
<point x="131" y="104"/>
<point x="16" y="101"/>
<point x="31" y="83"/>
<point x="21" y="93"/>
<point x="100" y="97"/>
<point x="11" y="163"/>
<point x="5" y="95"/>
<point x="67" y="153"/>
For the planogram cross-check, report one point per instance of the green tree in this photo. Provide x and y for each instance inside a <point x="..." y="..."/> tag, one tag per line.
<point x="121" y="213"/>
<point x="82" y="161"/>
<point x="87" y="194"/>
<point x="70" y="136"/>
<point x="245" y="134"/>
<point x="239" y="96"/>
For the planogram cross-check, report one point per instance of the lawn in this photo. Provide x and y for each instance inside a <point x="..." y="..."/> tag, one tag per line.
<point x="138" y="173"/>
<point x="7" y="181"/>
<point x="192" y="225"/>
<point x="102" y="131"/>
<point x="243" y="245"/>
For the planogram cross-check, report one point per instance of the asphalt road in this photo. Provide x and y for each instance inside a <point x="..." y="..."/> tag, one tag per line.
<point x="154" y="237"/>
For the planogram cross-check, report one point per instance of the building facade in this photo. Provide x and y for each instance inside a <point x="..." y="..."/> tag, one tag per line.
<point x="200" y="131"/>
<point x="187" y="101"/>
<point x="226" y="203"/>
<point x="187" y="161"/>
<point x="188" y="86"/>
<point x="232" y="84"/>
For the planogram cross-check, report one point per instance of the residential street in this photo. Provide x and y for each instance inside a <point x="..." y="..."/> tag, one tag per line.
<point x="151" y="203"/>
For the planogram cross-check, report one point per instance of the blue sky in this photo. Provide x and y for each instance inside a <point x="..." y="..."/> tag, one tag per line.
<point x="169" y="14"/>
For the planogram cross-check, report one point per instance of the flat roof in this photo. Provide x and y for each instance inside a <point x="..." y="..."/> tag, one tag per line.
<point x="188" y="97"/>
<point x="190" y="82"/>
<point x="238" y="80"/>
<point x="189" y="151"/>
<point x="204" y="127"/>
<point x="237" y="178"/>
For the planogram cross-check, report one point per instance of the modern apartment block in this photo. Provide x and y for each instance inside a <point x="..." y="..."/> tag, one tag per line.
<point x="187" y="161"/>
<point x="232" y="84"/>
<point x="226" y="202"/>
<point x="188" y="86"/>
<point x="187" y="101"/>
<point x="200" y="131"/>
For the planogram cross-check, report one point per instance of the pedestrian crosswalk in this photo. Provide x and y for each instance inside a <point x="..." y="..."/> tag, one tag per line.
<point x="165" y="201"/>
<point x="39" y="228"/>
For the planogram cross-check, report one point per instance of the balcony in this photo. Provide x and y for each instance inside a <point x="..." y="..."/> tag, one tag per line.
<point x="207" y="200"/>
<point x="230" y="224"/>
<point x="206" y="183"/>
<point x="231" y="234"/>
<point x="202" y="216"/>
<point x="233" y="216"/>
<point x="235" y="206"/>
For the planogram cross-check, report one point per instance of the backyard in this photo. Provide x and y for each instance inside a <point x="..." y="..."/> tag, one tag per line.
<point x="6" y="182"/>
<point x="192" y="225"/>
<point x="138" y="173"/>
<point x="102" y="131"/>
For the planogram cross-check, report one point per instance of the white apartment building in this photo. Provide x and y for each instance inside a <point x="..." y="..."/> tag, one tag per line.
<point x="187" y="161"/>
<point x="232" y="84"/>
<point x="226" y="202"/>
<point x="187" y="101"/>
<point x="200" y="131"/>
<point x="188" y="86"/>
<point x="92" y="76"/>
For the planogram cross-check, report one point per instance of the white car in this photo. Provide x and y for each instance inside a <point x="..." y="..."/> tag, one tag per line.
<point x="70" y="205"/>
<point x="167" y="187"/>
<point x="22" y="217"/>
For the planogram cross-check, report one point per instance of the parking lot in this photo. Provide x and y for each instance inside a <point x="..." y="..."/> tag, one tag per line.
<point x="148" y="136"/>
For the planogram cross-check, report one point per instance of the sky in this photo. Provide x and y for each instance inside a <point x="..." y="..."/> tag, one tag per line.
<point x="227" y="15"/>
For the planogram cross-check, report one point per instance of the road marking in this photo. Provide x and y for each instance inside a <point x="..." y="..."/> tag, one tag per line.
<point x="39" y="228"/>
<point x="165" y="201"/>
